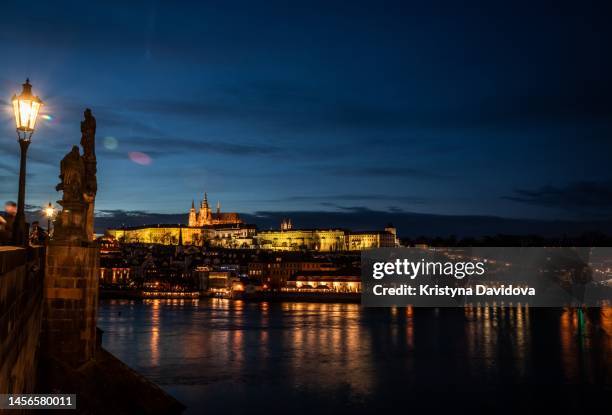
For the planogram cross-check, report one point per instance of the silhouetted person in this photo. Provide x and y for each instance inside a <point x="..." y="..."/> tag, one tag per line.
<point x="38" y="236"/>
<point x="7" y="221"/>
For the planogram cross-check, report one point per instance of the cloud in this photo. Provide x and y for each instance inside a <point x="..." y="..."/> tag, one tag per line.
<point x="109" y="218"/>
<point x="9" y="168"/>
<point x="296" y="107"/>
<point x="351" y="197"/>
<point x="109" y="118"/>
<point x="379" y="171"/>
<point x="586" y="197"/>
<point x="314" y="106"/>
<point x="360" y="209"/>
<point x="168" y="146"/>
<point x="46" y="157"/>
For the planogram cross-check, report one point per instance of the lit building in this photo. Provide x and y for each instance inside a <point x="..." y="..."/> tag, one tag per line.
<point x="206" y="216"/>
<point x="393" y="231"/>
<point x="286" y="225"/>
<point x="338" y="281"/>
<point x="246" y="236"/>
<point x="108" y="244"/>
<point x="277" y="272"/>
<point x="227" y="230"/>
<point x="119" y="275"/>
<point x="302" y="239"/>
<point x="326" y="240"/>
<point x="219" y="281"/>
<point x="223" y="236"/>
<point x="201" y="274"/>
<point x="357" y="241"/>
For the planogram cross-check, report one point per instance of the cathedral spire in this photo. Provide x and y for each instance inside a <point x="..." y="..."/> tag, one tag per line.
<point x="206" y="216"/>
<point x="192" y="218"/>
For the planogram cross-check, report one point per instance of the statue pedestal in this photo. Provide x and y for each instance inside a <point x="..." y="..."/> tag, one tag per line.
<point x="72" y="264"/>
<point x="70" y="224"/>
<point x="71" y="302"/>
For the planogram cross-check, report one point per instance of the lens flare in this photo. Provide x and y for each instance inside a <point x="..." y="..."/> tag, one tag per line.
<point x="140" y="158"/>
<point x="110" y="143"/>
<point x="48" y="119"/>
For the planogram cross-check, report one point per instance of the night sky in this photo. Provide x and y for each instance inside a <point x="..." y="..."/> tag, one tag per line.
<point x="448" y="108"/>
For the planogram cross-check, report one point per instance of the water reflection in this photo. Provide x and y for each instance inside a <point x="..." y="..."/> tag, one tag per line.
<point x="341" y="354"/>
<point x="154" y="346"/>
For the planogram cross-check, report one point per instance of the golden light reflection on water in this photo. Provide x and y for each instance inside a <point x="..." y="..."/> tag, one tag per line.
<point x="488" y="338"/>
<point x="568" y="322"/>
<point x="343" y="344"/>
<point x="154" y="343"/>
<point x="484" y="326"/>
<point x="606" y="320"/>
<point x="605" y="316"/>
<point x="330" y="337"/>
<point x="264" y="335"/>
<point x="410" y="327"/>
<point x="522" y="334"/>
<point x="579" y="328"/>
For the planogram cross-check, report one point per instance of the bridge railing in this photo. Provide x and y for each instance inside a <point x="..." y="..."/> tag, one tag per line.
<point x="21" y="305"/>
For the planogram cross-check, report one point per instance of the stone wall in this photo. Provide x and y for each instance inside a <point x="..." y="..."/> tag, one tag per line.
<point x="71" y="302"/>
<point x="21" y="291"/>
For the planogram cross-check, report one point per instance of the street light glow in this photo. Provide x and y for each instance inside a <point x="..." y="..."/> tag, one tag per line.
<point x="49" y="211"/>
<point x="26" y="107"/>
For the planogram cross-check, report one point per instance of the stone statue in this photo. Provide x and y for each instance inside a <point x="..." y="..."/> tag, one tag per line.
<point x="70" y="223"/>
<point x="72" y="173"/>
<point x="75" y="223"/>
<point x="88" y="141"/>
<point x="88" y="135"/>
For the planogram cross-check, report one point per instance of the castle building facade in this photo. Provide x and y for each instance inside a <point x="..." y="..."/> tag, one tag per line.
<point x="220" y="236"/>
<point x="325" y="240"/>
<point x="227" y="230"/>
<point x="206" y="217"/>
<point x="247" y="236"/>
<point x="289" y="239"/>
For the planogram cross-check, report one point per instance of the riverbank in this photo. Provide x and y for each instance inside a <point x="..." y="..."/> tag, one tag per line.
<point x="309" y="297"/>
<point x="272" y="296"/>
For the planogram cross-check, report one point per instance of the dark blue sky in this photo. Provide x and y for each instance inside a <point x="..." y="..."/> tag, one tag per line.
<point x="433" y="107"/>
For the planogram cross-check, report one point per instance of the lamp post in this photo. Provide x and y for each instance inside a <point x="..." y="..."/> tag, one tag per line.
<point x="49" y="212"/>
<point x="26" y="107"/>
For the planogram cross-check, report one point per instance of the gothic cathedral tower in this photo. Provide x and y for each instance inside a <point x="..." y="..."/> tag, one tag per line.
<point x="205" y="213"/>
<point x="193" y="221"/>
<point x="207" y="217"/>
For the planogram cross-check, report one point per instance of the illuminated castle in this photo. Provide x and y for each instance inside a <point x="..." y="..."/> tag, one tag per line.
<point x="286" y="225"/>
<point x="227" y="230"/>
<point x="207" y="217"/>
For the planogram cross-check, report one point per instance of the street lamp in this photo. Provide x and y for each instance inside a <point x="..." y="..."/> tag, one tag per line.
<point x="49" y="213"/>
<point x="26" y="107"/>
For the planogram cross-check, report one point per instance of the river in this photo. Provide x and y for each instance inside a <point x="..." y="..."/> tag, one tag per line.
<point x="241" y="357"/>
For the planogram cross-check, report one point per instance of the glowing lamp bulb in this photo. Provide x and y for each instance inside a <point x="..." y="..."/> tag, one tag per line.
<point x="49" y="210"/>
<point x="26" y="107"/>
